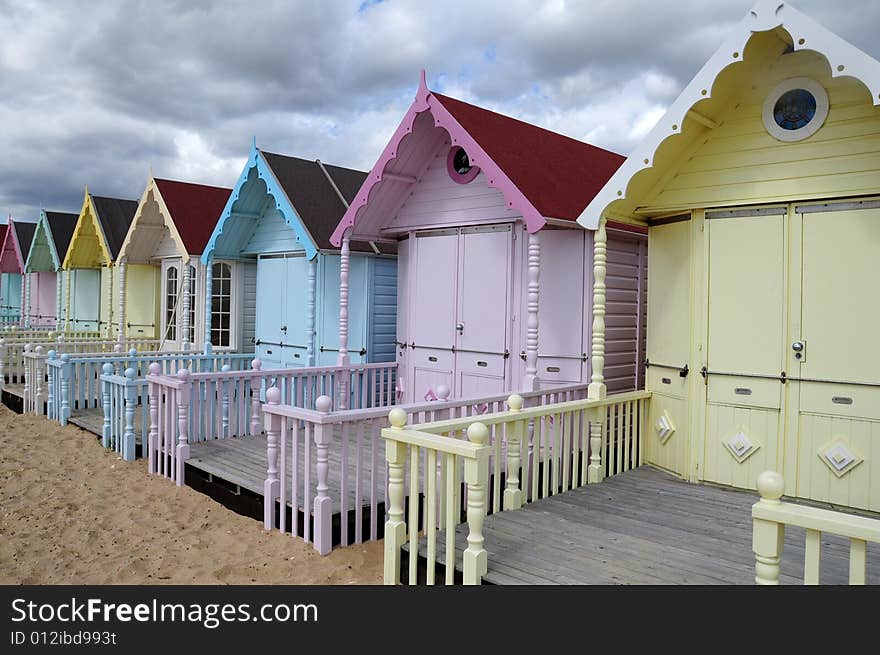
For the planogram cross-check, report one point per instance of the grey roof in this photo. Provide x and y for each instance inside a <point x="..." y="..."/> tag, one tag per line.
<point x="24" y="232"/>
<point x="314" y="198"/>
<point x="61" y="224"/>
<point x="115" y="216"/>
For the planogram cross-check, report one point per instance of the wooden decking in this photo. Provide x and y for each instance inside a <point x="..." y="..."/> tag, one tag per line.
<point x="643" y="527"/>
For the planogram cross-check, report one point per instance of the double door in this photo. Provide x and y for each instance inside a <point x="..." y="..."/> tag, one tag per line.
<point x="282" y="338"/>
<point x="792" y="377"/>
<point x="459" y="318"/>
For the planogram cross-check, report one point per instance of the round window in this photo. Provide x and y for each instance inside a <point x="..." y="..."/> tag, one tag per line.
<point x="459" y="165"/>
<point x="795" y="109"/>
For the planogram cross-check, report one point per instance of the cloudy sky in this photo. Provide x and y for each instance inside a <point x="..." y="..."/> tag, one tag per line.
<point x="96" y="92"/>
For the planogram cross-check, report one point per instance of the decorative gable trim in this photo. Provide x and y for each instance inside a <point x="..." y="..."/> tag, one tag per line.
<point x="843" y="58"/>
<point x="495" y="177"/>
<point x="88" y="208"/>
<point x="282" y="204"/>
<point x="43" y="225"/>
<point x="166" y="219"/>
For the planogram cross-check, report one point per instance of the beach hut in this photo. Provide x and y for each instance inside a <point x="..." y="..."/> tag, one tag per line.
<point x="761" y="193"/>
<point x="16" y="243"/>
<point x="162" y="282"/>
<point x="277" y="225"/>
<point x="93" y="282"/>
<point x="44" y="286"/>
<point x="495" y="275"/>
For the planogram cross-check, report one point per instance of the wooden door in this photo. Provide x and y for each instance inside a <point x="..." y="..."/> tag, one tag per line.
<point x="85" y="299"/>
<point x="434" y="280"/>
<point x="482" y="325"/>
<point x="294" y="310"/>
<point x="141" y="306"/>
<point x="745" y="357"/>
<point x="833" y="446"/>
<point x="271" y="310"/>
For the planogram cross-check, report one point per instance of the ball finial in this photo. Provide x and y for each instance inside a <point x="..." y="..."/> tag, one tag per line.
<point x="323" y="404"/>
<point x="39" y="350"/>
<point x="132" y="352"/>
<point x="257" y="364"/>
<point x="155" y="368"/>
<point x="225" y="368"/>
<point x="478" y="433"/>
<point x="183" y="374"/>
<point x="771" y="486"/>
<point x="397" y="417"/>
<point x="130" y="373"/>
<point x="107" y="369"/>
<point x="515" y="402"/>
<point x="443" y="392"/>
<point x="51" y="354"/>
<point x="273" y="396"/>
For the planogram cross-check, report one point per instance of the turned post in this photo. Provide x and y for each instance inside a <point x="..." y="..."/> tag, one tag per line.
<point x="597" y="389"/>
<point x="513" y="495"/>
<point x="271" y="487"/>
<point x="768" y="537"/>
<point x="209" y="300"/>
<point x="224" y="418"/>
<point x="256" y="389"/>
<point x="2" y="363"/>
<point x="107" y="432"/>
<point x="65" y="389"/>
<point x="39" y="379"/>
<point x="59" y="287"/>
<point x="51" y="399"/>
<point x="22" y="318"/>
<point x="322" y="510"/>
<point x="128" y="447"/>
<point x="182" y="424"/>
<point x="26" y="300"/>
<point x="343" y="359"/>
<point x="122" y="266"/>
<point x="185" y="305"/>
<point x="395" y="526"/>
<point x="531" y="382"/>
<point x="310" y="312"/>
<point x="153" y="395"/>
<point x="26" y="392"/>
<point x="476" y="476"/>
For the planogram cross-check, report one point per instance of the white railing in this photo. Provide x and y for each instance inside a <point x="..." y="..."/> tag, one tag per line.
<point x="191" y="407"/>
<point x="770" y="516"/>
<point x="527" y="457"/>
<point x="359" y="489"/>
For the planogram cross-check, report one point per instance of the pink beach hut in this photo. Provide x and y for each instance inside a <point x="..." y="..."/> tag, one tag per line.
<point x="492" y="266"/>
<point x="16" y="244"/>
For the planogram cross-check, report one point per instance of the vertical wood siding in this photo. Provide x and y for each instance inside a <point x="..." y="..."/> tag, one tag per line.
<point x="245" y="278"/>
<point x="383" y="311"/>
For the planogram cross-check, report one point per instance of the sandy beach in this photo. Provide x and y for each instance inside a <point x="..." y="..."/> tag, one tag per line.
<point x="72" y="512"/>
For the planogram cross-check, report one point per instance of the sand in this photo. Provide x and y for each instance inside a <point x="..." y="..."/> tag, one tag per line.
<point x="72" y="512"/>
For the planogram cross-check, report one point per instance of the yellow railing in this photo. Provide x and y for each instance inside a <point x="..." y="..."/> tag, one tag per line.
<point x="770" y="516"/>
<point x="509" y="459"/>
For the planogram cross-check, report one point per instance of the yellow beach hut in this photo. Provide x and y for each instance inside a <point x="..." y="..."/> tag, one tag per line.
<point x="92" y="281"/>
<point x="761" y="190"/>
<point x="164" y="282"/>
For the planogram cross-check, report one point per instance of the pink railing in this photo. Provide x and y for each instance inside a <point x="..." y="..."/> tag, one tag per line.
<point x="341" y="452"/>
<point x="192" y="407"/>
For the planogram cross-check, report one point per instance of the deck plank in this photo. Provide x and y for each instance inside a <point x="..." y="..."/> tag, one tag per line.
<point x="642" y="527"/>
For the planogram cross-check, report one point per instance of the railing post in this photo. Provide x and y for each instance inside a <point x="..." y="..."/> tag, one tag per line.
<point x="107" y="369"/>
<point x="2" y="363"/>
<point x="476" y="475"/>
<point x="323" y="506"/>
<point x="65" y="389"/>
<point x="395" y="527"/>
<point x="532" y="382"/>
<point x="271" y="487"/>
<point x="121" y="267"/>
<point x="26" y="392"/>
<point x="224" y="432"/>
<point x="768" y="536"/>
<point x="50" y="379"/>
<point x="513" y="495"/>
<point x="182" y="424"/>
<point x="39" y="379"/>
<point x="256" y="423"/>
<point x="128" y="449"/>
<point x="596" y="471"/>
<point x="153" y="394"/>
<point x="343" y="359"/>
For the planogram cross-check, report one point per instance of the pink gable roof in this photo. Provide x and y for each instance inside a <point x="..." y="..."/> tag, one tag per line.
<point x="541" y="174"/>
<point x="195" y="210"/>
<point x="14" y="254"/>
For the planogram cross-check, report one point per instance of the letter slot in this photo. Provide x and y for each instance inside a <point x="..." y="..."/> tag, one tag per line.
<point x="665" y="380"/>
<point x="481" y="363"/>
<point x="842" y="400"/>
<point x="553" y="369"/>
<point x="742" y="391"/>
<point x="432" y="358"/>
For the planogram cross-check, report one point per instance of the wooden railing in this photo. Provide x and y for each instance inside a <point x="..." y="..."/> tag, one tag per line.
<point x="74" y="380"/>
<point x="190" y="407"/>
<point x="356" y="459"/>
<point x="770" y="516"/>
<point x="529" y="454"/>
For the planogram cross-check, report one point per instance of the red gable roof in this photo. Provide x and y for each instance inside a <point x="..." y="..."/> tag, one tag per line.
<point x="558" y="175"/>
<point x="195" y="210"/>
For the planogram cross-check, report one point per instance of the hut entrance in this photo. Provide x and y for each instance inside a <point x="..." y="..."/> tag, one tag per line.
<point x="461" y="306"/>
<point x="792" y="379"/>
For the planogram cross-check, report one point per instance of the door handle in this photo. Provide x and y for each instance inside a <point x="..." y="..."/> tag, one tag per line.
<point x="460" y="327"/>
<point x="800" y="350"/>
